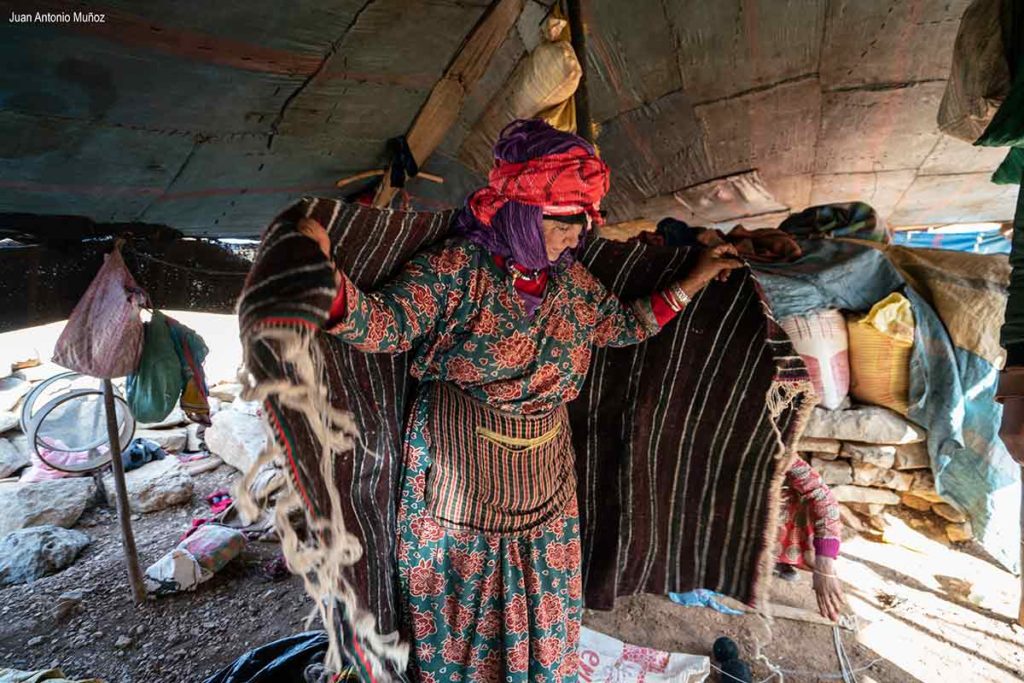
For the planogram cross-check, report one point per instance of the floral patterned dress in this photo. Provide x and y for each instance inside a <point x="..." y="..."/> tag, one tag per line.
<point x="484" y="607"/>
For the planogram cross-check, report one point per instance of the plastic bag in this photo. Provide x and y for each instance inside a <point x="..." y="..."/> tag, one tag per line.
<point x="881" y="344"/>
<point x="282" y="661"/>
<point x="821" y="339"/>
<point x="606" y="659"/>
<point x="103" y="336"/>
<point x="154" y="390"/>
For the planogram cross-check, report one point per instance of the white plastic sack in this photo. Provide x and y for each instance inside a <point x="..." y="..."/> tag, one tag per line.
<point x="175" y="572"/>
<point x="604" y="659"/>
<point x="821" y="339"/>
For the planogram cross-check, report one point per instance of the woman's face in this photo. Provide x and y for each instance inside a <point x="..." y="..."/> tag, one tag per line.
<point x="559" y="236"/>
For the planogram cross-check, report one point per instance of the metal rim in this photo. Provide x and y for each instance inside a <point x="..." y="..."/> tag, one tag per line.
<point x="125" y="434"/>
<point x="31" y="397"/>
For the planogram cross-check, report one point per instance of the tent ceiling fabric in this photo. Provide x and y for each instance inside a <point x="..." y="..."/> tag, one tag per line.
<point x="211" y="117"/>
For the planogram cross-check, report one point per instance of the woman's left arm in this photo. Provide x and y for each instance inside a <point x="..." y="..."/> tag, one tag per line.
<point x="621" y="324"/>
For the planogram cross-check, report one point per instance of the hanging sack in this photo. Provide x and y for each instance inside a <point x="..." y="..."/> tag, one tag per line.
<point x="881" y="344"/>
<point x="103" y="336"/>
<point x="153" y="391"/>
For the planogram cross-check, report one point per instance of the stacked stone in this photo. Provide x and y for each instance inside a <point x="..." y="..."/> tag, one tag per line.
<point x="871" y="458"/>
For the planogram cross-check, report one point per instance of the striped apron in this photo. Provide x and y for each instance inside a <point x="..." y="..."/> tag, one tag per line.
<point x="492" y="471"/>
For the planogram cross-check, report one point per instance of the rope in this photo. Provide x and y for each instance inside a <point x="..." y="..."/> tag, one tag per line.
<point x="191" y="269"/>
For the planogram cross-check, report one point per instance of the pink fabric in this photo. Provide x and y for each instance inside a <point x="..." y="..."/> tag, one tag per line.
<point x="40" y="471"/>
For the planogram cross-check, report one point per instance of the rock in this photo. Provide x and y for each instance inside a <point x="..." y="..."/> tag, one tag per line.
<point x="923" y="481"/>
<point x="861" y="494"/>
<point x="237" y="438"/>
<point x="913" y="456"/>
<point x="878" y="523"/>
<point x="811" y="445"/>
<point x="959" y="533"/>
<point x="67" y="604"/>
<point x="123" y="642"/>
<point x="59" y="502"/>
<point x="897" y="481"/>
<point x="171" y="440"/>
<point x="11" y="459"/>
<point x="226" y="391"/>
<point x="194" y="442"/>
<point x="41" y="371"/>
<point x="879" y="456"/>
<point x="850" y="520"/>
<point x="154" y="486"/>
<point x="29" y="554"/>
<point x="866" y="475"/>
<point x="12" y="389"/>
<point x="20" y="441"/>
<point x="867" y="424"/>
<point x="253" y="408"/>
<point x="8" y="421"/>
<point x="949" y="513"/>
<point x="868" y="509"/>
<point x="833" y="473"/>
<point x="36" y="641"/>
<point x="174" y="419"/>
<point x="915" y="502"/>
<point x="807" y="455"/>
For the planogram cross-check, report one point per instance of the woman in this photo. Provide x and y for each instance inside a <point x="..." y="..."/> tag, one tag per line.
<point x="501" y="320"/>
<point x="810" y="535"/>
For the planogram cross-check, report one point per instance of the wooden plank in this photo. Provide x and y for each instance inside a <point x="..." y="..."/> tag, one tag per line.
<point x="441" y="110"/>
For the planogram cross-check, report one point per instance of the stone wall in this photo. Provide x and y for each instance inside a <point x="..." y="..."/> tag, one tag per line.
<point x="873" y="458"/>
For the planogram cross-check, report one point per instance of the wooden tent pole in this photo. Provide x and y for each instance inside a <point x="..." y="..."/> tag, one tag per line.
<point x="578" y="38"/>
<point x="131" y="556"/>
<point x="441" y="110"/>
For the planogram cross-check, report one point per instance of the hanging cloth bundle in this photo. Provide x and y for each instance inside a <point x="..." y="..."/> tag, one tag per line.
<point x="171" y="367"/>
<point x="103" y="336"/>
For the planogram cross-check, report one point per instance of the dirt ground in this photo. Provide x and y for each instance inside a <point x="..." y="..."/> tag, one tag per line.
<point x="925" y="612"/>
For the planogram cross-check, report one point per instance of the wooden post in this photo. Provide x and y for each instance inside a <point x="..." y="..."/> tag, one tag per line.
<point x="578" y="37"/>
<point x="441" y="110"/>
<point x="131" y="556"/>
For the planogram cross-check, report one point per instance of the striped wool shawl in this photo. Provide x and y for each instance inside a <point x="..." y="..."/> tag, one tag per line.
<point x="681" y="442"/>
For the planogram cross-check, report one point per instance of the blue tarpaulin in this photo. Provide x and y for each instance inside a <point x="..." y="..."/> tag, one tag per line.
<point x="952" y="389"/>
<point x="981" y="242"/>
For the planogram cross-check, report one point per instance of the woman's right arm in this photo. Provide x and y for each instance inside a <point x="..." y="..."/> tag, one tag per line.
<point x="392" y="318"/>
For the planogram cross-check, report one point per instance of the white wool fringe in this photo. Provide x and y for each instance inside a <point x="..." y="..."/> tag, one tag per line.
<point x="321" y="565"/>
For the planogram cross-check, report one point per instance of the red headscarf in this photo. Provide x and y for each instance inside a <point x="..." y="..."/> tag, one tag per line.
<point x="564" y="183"/>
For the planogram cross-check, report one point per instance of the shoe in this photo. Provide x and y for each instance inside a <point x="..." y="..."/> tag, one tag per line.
<point x="786" y="572"/>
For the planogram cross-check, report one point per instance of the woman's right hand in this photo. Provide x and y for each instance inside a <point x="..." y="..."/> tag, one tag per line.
<point x="715" y="263"/>
<point x="316" y="232"/>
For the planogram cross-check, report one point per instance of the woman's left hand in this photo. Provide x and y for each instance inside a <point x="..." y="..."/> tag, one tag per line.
<point x="714" y="263"/>
<point x="827" y="588"/>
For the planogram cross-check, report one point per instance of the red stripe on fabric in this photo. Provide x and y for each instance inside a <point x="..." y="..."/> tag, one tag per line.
<point x="279" y="429"/>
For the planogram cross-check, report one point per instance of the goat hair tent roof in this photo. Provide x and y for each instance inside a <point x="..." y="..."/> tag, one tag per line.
<point x="210" y="117"/>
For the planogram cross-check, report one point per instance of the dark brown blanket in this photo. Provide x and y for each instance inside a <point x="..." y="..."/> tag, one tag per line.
<point x="680" y="440"/>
